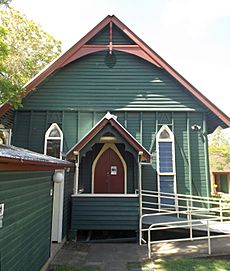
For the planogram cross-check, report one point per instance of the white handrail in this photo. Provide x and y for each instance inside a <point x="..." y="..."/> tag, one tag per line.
<point x="178" y="194"/>
<point x="186" y="206"/>
<point x="182" y="224"/>
<point x="190" y="199"/>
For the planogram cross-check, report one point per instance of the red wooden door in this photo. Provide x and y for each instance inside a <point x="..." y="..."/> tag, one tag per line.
<point x="109" y="173"/>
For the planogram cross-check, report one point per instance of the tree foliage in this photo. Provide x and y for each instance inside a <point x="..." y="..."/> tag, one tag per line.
<point x="27" y="49"/>
<point x="5" y="2"/>
<point x="219" y="151"/>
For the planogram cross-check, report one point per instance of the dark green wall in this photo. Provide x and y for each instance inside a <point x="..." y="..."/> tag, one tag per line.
<point x="25" y="236"/>
<point x="67" y="206"/>
<point x="102" y="37"/>
<point x="191" y="164"/>
<point x="143" y="97"/>
<point x="104" y="213"/>
<point x="89" y="84"/>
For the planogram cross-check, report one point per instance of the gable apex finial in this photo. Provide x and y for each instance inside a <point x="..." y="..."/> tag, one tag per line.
<point x="109" y="116"/>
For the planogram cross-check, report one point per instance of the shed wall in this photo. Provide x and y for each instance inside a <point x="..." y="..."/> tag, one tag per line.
<point x="25" y="236"/>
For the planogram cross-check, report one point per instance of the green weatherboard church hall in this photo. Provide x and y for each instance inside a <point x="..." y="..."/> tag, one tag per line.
<point x="124" y="120"/>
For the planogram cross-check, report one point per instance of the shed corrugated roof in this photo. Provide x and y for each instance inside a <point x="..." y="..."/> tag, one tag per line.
<point x="19" y="155"/>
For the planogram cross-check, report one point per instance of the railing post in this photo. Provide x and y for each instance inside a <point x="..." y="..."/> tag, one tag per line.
<point x="187" y="205"/>
<point x="149" y="244"/>
<point x="177" y="206"/>
<point x="140" y="199"/>
<point x="159" y="201"/>
<point x="190" y="224"/>
<point x="221" y="210"/>
<point x="140" y="230"/>
<point x="209" y="240"/>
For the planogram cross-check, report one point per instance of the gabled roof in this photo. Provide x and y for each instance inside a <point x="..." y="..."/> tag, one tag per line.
<point x="139" y="48"/>
<point x="112" y="120"/>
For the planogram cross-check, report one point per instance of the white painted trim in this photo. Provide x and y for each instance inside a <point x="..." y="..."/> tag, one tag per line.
<point x="47" y="137"/>
<point x="115" y="149"/>
<point x="58" y="202"/>
<point x="173" y="173"/>
<point x="76" y="178"/>
<point x="76" y="174"/>
<point x="106" y="195"/>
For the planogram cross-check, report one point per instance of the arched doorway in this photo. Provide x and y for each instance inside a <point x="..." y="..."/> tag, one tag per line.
<point x="109" y="171"/>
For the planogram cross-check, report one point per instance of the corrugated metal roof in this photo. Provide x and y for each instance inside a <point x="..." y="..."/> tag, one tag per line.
<point x="16" y="153"/>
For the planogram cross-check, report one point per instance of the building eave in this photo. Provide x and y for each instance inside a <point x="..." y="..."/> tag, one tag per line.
<point x="146" y="52"/>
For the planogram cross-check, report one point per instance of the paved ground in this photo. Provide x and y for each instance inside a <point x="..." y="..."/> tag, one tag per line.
<point x="114" y="257"/>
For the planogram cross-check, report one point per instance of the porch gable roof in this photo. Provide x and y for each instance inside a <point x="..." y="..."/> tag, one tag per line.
<point x="109" y="119"/>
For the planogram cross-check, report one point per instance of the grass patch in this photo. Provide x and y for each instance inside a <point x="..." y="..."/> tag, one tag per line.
<point x="70" y="268"/>
<point x="182" y="265"/>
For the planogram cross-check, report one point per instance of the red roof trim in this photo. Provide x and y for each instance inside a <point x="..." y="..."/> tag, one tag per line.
<point x="27" y="167"/>
<point x="89" y="49"/>
<point x="161" y="62"/>
<point x="98" y="127"/>
<point x="146" y="53"/>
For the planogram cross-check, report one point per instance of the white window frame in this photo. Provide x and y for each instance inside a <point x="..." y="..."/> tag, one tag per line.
<point x="47" y="137"/>
<point x="171" y="139"/>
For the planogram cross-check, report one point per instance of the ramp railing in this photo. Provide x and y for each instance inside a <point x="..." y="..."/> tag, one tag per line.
<point x="208" y="214"/>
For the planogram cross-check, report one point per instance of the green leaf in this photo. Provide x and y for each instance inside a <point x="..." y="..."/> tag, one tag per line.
<point x="25" y="49"/>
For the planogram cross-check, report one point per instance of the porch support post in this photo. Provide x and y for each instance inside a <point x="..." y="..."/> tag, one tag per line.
<point x="207" y="173"/>
<point x="76" y="173"/>
<point x="140" y="197"/>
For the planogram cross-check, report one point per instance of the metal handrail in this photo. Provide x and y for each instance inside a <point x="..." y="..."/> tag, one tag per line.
<point x="190" y="198"/>
<point x="182" y="224"/>
<point x="178" y="194"/>
<point x="188" y="210"/>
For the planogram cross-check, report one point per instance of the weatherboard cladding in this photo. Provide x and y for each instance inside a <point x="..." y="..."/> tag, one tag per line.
<point x="89" y="84"/>
<point x="103" y="37"/>
<point x="104" y="213"/>
<point x="25" y="235"/>
<point x="143" y="97"/>
<point x="123" y="35"/>
<point x="68" y="191"/>
<point x="143" y="126"/>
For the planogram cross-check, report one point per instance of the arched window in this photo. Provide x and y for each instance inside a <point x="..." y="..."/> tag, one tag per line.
<point x="53" y="141"/>
<point x="166" y="168"/>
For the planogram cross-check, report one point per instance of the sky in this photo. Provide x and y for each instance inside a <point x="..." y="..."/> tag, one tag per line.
<point x="193" y="36"/>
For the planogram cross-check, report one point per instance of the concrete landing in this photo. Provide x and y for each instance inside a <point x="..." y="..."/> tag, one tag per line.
<point x="114" y="257"/>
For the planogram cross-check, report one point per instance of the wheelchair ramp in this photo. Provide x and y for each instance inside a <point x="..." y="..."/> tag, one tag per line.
<point x="192" y="213"/>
